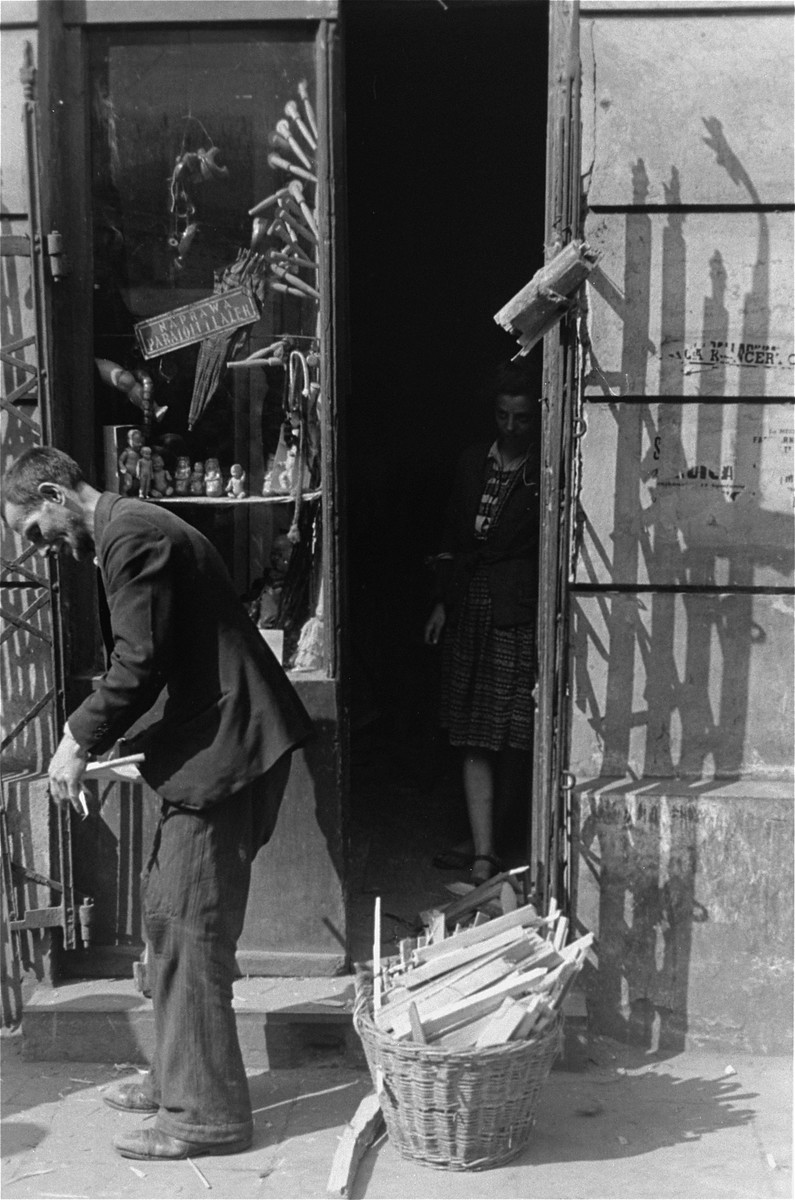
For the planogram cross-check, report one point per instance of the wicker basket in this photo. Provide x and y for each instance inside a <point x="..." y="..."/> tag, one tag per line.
<point x="463" y="1110"/>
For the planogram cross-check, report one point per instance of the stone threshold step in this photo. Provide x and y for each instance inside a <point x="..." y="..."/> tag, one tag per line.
<point x="282" y="1023"/>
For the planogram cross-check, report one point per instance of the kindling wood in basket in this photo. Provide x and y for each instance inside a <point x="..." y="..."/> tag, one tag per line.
<point x="460" y="1032"/>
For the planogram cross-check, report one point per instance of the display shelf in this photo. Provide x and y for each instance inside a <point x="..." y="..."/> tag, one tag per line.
<point x="228" y="502"/>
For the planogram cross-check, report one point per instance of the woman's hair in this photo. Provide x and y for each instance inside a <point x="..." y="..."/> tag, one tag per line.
<point x="41" y="464"/>
<point x="513" y="379"/>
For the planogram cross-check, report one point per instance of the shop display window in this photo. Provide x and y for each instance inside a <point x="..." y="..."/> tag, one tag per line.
<point x="207" y="278"/>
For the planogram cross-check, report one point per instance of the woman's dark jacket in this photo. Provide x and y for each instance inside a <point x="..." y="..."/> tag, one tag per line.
<point x="509" y="554"/>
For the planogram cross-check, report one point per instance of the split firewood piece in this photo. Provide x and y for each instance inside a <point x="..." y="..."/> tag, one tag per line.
<point x="533" y="1007"/>
<point x="578" y="948"/>
<point x="508" y="901"/>
<point x="458" y="985"/>
<point x="459" y="957"/>
<point x="434" y="924"/>
<point x="365" y="1127"/>
<point x="502" y="1024"/>
<point x="559" y="936"/>
<point x="462" y="1038"/>
<point x="438" y="929"/>
<point x="545" y="956"/>
<point x="488" y="890"/>
<point x="524" y="916"/>
<point x="462" y="975"/>
<point x="479" y="1005"/>
<point x="417" y="1032"/>
<point x="557" y="982"/>
<point x="458" y="888"/>
<point x="377" y="955"/>
<point x="469" y="985"/>
<point x="393" y="996"/>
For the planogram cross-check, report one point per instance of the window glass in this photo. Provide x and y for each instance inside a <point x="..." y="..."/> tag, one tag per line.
<point x="191" y="130"/>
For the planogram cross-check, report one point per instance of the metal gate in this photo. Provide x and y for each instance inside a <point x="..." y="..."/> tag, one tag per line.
<point x="31" y="637"/>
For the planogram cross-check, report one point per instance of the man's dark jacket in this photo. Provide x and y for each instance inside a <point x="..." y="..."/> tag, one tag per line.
<point x="178" y="628"/>
<point x="508" y="556"/>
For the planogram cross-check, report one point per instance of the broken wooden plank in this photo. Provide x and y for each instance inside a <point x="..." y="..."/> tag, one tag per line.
<point x="365" y="1127"/>
<point x="543" y="301"/>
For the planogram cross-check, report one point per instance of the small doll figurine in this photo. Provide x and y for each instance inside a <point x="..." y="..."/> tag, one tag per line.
<point x="182" y="476"/>
<point x="128" y="463"/>
<point x="236" y="487"/>
<point x="269" y="483"/>
<point x="161" y="478"/>
<point x="213" y="482"/>
<point x="270" y="596"/>
<point x="287" y="473"/>
<point x="145" y="471"/>
<point x="197" y="480"/>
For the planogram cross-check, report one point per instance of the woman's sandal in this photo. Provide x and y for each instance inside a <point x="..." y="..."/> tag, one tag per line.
<point x="479" y="876"/>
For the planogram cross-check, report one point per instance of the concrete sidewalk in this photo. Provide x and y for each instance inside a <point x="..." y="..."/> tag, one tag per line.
<point x="629" y="1125"/>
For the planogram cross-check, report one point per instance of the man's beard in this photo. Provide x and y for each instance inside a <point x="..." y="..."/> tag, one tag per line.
<point x="77" y="537"/>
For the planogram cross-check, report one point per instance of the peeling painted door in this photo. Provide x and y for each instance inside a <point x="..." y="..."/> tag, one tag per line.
<point x="552" y="785"/>
<point x="35" y="836"/>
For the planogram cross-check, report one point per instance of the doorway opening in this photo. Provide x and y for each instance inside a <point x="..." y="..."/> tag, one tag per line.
<point x="446" y="109"/>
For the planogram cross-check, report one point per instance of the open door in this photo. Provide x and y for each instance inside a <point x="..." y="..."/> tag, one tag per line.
<point x="35" y="836"/>
<point x="131" y="102"/>
<point x="550" y="832"/>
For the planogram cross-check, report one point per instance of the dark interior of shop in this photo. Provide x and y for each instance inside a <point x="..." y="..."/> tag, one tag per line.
<point x="445" y="134"/>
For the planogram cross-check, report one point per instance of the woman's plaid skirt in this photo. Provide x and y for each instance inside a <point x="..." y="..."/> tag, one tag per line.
<point x="488" y="675"/>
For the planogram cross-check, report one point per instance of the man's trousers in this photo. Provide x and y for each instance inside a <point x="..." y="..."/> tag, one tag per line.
<point x="195" y="889"/>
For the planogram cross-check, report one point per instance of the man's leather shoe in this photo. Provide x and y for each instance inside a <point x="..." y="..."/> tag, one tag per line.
<point x="130" y="1096"/>
<point x="154" y="1144"/>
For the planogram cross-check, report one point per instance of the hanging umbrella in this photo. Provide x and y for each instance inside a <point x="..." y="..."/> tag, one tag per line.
<point x="248" y="269"/>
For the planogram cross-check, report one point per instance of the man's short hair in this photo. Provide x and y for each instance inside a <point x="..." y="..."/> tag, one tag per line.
<point x="40" y="464"/>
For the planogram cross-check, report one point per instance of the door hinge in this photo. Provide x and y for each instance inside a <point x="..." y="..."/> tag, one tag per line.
<point x="59" y="263"/>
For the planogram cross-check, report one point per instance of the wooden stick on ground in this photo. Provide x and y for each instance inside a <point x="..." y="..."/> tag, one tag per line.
<point x="365" y="1127"/>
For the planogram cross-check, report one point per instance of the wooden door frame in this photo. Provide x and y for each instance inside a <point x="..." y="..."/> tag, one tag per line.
<point x="550" y="816"/>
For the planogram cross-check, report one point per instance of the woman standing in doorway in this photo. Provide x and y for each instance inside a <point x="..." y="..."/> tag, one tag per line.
<point x="487" y="585"/>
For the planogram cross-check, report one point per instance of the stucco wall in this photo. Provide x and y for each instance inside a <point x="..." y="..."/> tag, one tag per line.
<point x="682" y="609"/>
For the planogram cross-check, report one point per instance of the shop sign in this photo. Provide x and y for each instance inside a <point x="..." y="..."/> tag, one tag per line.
<point x="195" y="322"/>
